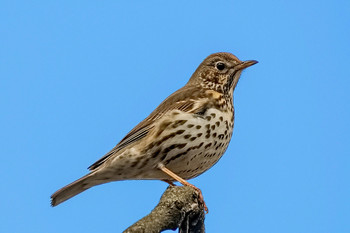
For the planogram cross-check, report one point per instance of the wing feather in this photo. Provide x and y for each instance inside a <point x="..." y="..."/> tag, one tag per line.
<point x="179" y="100"/>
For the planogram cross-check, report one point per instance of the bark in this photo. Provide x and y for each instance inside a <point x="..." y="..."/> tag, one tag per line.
<point x="179" y="207"/>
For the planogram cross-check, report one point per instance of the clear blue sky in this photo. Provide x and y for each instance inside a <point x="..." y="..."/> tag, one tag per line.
<point x="76" y="76"/>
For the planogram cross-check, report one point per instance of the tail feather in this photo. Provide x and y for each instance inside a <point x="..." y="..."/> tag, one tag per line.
<point x="71" y="190"/>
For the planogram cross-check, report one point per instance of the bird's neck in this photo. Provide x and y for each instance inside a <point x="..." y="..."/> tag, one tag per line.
<point x="221" y="101"/>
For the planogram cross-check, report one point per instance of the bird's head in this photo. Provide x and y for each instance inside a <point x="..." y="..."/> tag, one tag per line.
<point x="220" y="72"/>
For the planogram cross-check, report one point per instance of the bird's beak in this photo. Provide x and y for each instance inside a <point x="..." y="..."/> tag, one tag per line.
<point x="245" y="64"/>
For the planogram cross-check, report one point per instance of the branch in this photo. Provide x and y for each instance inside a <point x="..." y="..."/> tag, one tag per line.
<point x="178" y="207"/>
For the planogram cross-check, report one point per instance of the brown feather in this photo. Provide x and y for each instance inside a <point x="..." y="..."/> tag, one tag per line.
<point x="179" y="100"/>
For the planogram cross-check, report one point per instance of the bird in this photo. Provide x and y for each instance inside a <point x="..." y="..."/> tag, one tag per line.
<point x="182" y="138"/>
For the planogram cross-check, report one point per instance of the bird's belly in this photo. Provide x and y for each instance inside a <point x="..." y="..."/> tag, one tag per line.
<point x="199" y="142"/>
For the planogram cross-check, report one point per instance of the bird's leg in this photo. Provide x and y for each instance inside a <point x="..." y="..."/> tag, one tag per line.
<point x="169" y="182"/>
<point x="183" y="182"/>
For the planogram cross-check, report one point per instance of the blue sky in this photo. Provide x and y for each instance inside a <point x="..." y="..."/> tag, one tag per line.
<point x="76" y="76"/>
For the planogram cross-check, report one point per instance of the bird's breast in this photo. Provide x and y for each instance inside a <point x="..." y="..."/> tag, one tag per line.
<point x="189" y="144"/>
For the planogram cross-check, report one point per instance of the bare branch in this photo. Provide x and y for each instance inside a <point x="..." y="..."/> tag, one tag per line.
<point x="178" y="208"/>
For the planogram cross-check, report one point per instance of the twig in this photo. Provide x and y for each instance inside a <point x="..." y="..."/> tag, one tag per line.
<point x="178" y="208"/>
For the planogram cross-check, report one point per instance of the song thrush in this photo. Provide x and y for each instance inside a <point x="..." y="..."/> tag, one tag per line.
<point x="182" y="138"/>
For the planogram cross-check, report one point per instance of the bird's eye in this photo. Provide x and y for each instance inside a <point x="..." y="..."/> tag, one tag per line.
<point x="220" y="66"/>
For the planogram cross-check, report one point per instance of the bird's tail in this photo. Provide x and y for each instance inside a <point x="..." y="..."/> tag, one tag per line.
<point x="72" y="189"/>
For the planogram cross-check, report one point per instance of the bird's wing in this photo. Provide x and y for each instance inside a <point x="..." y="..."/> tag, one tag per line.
<point x="179" y="100"/>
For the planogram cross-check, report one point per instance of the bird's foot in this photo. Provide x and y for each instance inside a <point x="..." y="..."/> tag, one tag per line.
<point x="184" y="182"/>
